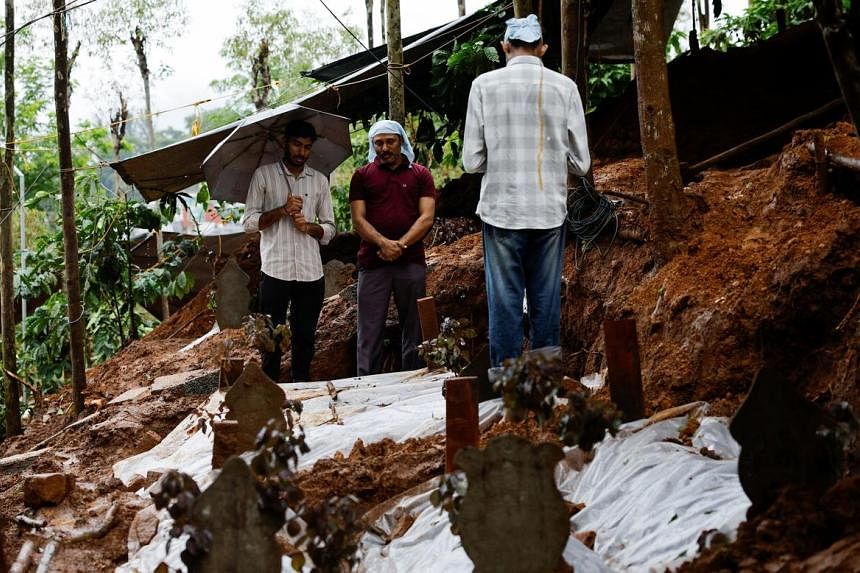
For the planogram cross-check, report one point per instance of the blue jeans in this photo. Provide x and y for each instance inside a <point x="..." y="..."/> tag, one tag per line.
<point x="518" y="262"/>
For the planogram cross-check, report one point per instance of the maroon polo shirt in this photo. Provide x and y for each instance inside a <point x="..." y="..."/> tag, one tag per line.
<point x="391" y="206"/>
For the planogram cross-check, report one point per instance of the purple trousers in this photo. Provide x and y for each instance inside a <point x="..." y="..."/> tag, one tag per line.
<point x="375" y="287"/>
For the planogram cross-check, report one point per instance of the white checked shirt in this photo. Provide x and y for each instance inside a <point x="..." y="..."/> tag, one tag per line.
<point x="525" y="129"/>
<point x="286" y="253"/>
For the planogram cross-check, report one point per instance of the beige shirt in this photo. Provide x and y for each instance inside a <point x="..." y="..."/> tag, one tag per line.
<point x="285" y="252"/>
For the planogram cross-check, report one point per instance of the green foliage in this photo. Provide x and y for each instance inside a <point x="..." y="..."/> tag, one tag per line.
<point x="606" y="81"/>
<point x="449" y="495"/>
<point x="758" y="22"/>
<point x="586" y="421"/>
<point x="340" y="203"/>
<point x="451" y="347"/>
<point x="456" y="66"/>
<point x="530" y="383"/>
<point x="295" y="44"/>
<point x="101" y="223"/>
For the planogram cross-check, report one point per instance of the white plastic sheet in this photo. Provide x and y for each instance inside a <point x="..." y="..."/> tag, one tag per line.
<point x="399" y="406"/>
<point x="648" y="501"/>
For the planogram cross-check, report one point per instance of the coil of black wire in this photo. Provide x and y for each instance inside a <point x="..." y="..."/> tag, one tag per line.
<point x="589" y="213"/>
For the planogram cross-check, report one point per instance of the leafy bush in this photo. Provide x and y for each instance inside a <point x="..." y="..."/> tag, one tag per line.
<point x="758" y="22"/>
<point x="530" y="383"/>
<point x="101" y="223"/>
<point x="451" y="347"/>
<point x="586" y="421"/>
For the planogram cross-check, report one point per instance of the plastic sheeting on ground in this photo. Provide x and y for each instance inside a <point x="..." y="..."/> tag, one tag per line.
<point x="648" y="500"/>
<point x="398" y="405"/>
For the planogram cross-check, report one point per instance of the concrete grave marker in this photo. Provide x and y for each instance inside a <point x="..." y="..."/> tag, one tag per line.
<point x="231" y="295"/>
<point x="243" y="537"/>
<point x="513" y="518"/>
<point x="252" y="401"/>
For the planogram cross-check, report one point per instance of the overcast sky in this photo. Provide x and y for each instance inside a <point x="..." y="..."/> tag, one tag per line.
<point x="195" y="60"/>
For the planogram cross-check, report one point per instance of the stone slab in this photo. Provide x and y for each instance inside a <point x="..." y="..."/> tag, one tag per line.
<point x="201" y="381"/>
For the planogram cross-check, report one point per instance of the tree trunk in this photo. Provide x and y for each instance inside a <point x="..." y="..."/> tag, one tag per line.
<point x="461" y="6"/>
<point x="382" y="19"/>
<point x="840" y="47"/>
<point x="522" y="8"/>
<point x="7" y="269"/>
<point x="67" y="188"/>
<point x="657" y="129"/>
<point x="117" y="128"/>
<point x="574" y="44"/>
<point x="396" y="89"/>
<point x="368" y="4"/>
<point x="138" y="40"/>
<point x="261" y="76"/>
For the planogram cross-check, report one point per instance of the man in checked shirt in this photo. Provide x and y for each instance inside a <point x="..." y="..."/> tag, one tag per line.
<point x="525" y="130"/>
<point x="290" y="205"/>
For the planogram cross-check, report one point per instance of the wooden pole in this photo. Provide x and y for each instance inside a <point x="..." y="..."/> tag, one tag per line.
<point x="820" y="164"/>
<point x="622" y="359"/>
<point x="522" y="8"/>
<point x="428" y="318"/>
<point x="67" y="189"/>
<point x="396" y="95"/>
<point x="461" y="417"/>
<point x="7" y="267"/>
<point x="574" y="44"/>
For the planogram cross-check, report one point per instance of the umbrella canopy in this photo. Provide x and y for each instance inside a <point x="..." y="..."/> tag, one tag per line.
<point x="259" y="140"/>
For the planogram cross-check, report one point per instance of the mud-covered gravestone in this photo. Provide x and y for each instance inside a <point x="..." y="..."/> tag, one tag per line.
<point x="513" y="518"/>
<point x="231" y="295"/>
<point x="252" y="401"/>
<point x="243" y="535"/>
<point x="784" y="441"/>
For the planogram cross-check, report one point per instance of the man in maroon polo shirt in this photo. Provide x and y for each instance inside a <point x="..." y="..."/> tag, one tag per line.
<point x="393" y="201"/>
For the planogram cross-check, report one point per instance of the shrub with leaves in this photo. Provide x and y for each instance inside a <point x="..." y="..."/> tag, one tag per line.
<point x="274" y="463"/>
<point x="586" y="420"/>
<point x="449" y="497"/>
<point x="263" y="335"/>
<point x="102" y="224"/>
<point x="178" y="492"/>
<point x="530" y="383"/>
<point x="451" y="347"/>
<point x="327" y="534"/>
<point x="331" y="536"/>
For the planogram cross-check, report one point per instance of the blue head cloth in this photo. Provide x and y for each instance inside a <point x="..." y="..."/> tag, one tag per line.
<point x="390" y="126"/>
<point x="524" y="29"/>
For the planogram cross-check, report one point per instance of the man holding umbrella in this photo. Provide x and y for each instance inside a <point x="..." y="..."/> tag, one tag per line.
<point x="290" y="205"/>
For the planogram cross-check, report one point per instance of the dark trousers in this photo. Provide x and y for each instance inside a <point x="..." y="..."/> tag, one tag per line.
<point x="304" y="301"/>
<point x="375" y="287"/>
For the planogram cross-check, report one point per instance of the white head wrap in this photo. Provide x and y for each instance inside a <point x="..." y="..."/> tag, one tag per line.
<point x="524" y="29"/>
<point x="390" y="126"/>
